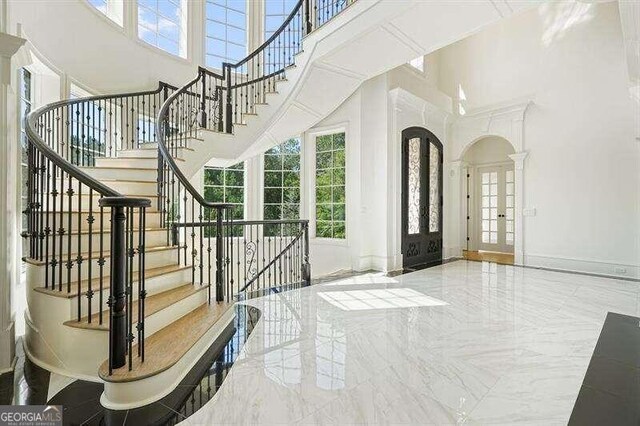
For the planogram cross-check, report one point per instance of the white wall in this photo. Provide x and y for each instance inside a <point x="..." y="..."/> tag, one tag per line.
<point x="98" y="53"/>
<point x="582" y="171"/>
<point x="488" y="150"/>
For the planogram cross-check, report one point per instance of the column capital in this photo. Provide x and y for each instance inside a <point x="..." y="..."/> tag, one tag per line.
<point x="518" y="159"/>
<point x="9" y="45"/>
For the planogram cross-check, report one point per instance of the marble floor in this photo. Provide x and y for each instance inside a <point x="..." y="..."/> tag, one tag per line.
<point x="464" y="342"/>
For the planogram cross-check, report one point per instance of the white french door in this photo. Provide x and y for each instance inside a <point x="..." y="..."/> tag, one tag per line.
<point x="496" y="209"/>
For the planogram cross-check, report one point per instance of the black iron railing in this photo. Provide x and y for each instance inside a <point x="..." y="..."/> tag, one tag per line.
<point x="83" y="238"/>
<point x="87" y="240"/>
<point x="252" y="255"/>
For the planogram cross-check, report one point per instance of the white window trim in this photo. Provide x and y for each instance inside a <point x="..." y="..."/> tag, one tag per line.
<point x="261" y="187"/>
<point x="106" y="17"/>
<point x="309" y="142"/>
<point x="185" y="28"/>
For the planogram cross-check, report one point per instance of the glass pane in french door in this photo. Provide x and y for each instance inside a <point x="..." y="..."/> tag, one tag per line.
<point x="489" y="183"/>
<point x="509" y="206"/>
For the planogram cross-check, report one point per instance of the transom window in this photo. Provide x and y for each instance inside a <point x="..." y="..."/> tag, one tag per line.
<point x="330" y="186"/>
<point x="160" y="24"/>
<point x="417" y="63"/>
<point x="282" y="185"/>
<point x="226" y="31"/>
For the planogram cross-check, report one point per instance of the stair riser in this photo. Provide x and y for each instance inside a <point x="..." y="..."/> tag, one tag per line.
<point x="38" y="273"/>
<point x="83" y="201"/>
<point x="152" y="238"/>
<point x="142" y="189"/>
<point x="145" y="163"/>
<point x="147" y="153"/>
<point x="68" y="310"/>
<point x="123" y="173"/>
<point x="62" y="220"/>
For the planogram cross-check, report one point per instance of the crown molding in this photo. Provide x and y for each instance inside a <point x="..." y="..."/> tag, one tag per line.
<point x="9" y="45"/>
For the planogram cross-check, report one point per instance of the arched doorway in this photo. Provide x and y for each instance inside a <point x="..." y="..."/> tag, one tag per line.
<point x="422" y="159"/>
<point x="490" y="200"/>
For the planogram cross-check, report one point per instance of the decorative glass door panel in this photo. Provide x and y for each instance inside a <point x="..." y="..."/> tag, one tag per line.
<point x="421" y="197"/>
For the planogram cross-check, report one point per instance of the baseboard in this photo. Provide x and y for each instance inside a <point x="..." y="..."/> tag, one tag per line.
<point x="7" y="348"/>
<point x="606" y="269"/>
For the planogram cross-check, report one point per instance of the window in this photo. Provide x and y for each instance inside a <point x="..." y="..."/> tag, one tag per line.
<point x="417" y="63"/>
<point x="87" y="128"/>
<point x="26" y="93"/>
<point x="330" y="186"/>
<point x="282" y="185"/>
<point x="226" y="31"/>
<point x="226" y="185"/>
<point x="275" y="13"/>
<point x="111" y="8"/>
<point x="160" y="25"/>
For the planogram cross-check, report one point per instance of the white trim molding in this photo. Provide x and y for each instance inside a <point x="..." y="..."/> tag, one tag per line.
<point x="9" y="46"/>
<point x="518" y="243"/>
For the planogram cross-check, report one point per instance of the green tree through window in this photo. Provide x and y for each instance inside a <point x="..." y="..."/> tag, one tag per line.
<point x="282" y="186"/>
<point x="226" y="185"/>
<point x="330" y="186"/>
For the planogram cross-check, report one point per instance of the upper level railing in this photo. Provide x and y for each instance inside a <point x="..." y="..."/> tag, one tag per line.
<point x="219" y="102"/>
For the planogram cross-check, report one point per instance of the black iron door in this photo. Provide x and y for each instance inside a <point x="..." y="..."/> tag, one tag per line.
<point x="421" y="198"/>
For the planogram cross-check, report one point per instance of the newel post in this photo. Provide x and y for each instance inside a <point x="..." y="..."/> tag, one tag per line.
<point x="117" y="295"/>
<point x="306" y="266"/>
<point x="219" y="255"/>
<point x="117" y="300"/>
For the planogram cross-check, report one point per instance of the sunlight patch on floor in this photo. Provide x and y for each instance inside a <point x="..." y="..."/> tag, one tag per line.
<point x="391" y="298"/>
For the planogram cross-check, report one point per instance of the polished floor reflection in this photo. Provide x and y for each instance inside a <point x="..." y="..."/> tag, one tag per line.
<point x="465" y="342"/>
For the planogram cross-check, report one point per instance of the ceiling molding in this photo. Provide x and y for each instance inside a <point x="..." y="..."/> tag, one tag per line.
<point x="402" y="98"/>
<point x="323" y="65"/>
<point x="402" y="37"/>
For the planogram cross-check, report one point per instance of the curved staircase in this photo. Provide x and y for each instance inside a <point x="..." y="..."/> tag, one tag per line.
<point x="132" y="272"/>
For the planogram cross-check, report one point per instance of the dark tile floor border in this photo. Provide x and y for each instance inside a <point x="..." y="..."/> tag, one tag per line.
<point x="610" y="392"/>
<point x="29" y="384"/>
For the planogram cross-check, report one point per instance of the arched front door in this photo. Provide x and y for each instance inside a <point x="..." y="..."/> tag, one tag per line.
<point x="421" y="197"/>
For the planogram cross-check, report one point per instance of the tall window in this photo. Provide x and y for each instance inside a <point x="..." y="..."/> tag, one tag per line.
<point x="87" y="128"/>
<point x="226" y="31"/>
<point x="330" y="186"/>
<point x="275" y="13"/>
<point x="111" y="8"/>
<point x="226" y="185"/>
<point x="26" y="94"/>
<point x="282" y="184"/>
<point x="160" y="24"/>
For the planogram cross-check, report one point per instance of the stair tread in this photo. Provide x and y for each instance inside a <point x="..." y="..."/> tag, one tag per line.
<point x="134" y="158"/>
<point x="95" y="282"/>
<point x="107" y="253"/>
<point x="166" y="347"/>
<point x="153" y="304"/>
<point x="96" y="230"/>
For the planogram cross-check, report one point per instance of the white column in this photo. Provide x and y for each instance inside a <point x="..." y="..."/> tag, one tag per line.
<point x="518" y="246"/>
<point x="9" y="45"/>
